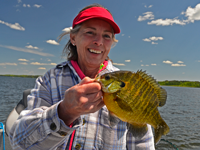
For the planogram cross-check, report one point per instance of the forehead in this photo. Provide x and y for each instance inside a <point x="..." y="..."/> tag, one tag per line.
<point x="97" y="24"/>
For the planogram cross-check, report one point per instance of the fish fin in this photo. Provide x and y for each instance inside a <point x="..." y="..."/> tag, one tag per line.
<point x="162" y="94"/>
<point x="122" y="104"/>
<point x="161" y="129"/>
<point x="162" y="97"/>
<point x="148" y="78"/>
<point x="113" y="119"/>
<point x="138" y="131"/>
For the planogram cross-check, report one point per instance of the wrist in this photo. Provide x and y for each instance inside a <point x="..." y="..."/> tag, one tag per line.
<point x="65" y="115"/>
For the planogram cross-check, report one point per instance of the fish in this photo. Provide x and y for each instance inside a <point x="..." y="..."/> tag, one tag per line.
<point x="134" y="98"/>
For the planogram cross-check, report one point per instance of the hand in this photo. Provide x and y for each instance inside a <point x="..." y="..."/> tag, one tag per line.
<point x="83" y="98"/>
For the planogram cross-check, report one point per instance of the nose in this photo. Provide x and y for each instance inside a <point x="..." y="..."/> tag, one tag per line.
<point x="98" y="40"/>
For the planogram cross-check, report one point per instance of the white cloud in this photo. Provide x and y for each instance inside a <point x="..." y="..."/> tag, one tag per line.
<point x="154" y="43"/>
<point x="147" y="16"/>
<point x="152" y="39"/>
<point x="10" y="64"/>
<point x="192" y="13"/>
<point x="150" y="6"/>
<point x="26" y="50"/>
<point x="180" y="62"/>
<point x="118" y="64"/>
<point x="52" y="42"/>
<point x="42" y="68"/>
<point x="31" y="47"/>
<point x="23" y="63"/>
<point x="15" y="26"/>
<point x="147" y="40"/>
<point x="154" y="64"/>
<point x="177" y="65"/>
<point x="144" y="65"/>
<point x="19" y="1"/>
<point x="167" y="62"/>
<point x="36" y="5"/>
<point x="37" y="63"/>
<point x="26" y="5"/>
<point x="166" y="22"/>
<point x="127" y="60"/>
<point x="67" y="29"/>
<point x="22" y="59"/>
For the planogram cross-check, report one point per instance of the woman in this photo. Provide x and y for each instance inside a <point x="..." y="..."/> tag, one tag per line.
<point x="65" y="109"/>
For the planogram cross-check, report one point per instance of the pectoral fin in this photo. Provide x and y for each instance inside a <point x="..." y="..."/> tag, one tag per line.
<point x="162" y="97"/>
<point x="138" y="131"/>
<point x="122" y="104"/>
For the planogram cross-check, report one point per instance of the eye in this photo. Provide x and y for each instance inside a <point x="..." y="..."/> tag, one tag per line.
<point x="107" y="77"/>
<point x="122" y="84"/>
<point x="90" y="32"/>
<point x="107" y="36"/>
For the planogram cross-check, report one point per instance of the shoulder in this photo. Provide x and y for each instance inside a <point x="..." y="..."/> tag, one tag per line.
<point x="60" y="69"/>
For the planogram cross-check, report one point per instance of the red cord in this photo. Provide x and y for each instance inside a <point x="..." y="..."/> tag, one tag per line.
<point x="72" y="137"/>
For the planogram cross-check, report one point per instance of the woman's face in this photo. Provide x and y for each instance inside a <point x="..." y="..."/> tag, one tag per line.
<point x="93" y="42"/>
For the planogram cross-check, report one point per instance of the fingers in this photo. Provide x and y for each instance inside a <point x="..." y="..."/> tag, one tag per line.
<point x="94" y="106"/>
<point x="86" y="80"/>
<point x="83" y="98"/>
<point x="88" y="86"/>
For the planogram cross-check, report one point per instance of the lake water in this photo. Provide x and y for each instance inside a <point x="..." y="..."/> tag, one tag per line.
<point x="181" y="111"/>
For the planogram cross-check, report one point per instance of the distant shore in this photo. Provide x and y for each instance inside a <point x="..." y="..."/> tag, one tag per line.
<point x="195" y="84"/>
<point x="22" y="76"/>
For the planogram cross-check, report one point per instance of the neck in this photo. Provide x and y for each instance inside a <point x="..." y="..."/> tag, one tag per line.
<point x="89" y="71"/>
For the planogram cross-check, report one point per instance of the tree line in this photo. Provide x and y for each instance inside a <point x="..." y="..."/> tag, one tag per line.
<point x="23" y="76"/>
<point x="180" y="83"/>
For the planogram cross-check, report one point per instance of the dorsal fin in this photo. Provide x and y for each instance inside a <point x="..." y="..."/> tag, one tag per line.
<point x="162" y="94"/>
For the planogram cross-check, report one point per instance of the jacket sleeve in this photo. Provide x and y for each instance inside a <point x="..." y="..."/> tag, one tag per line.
<point x="39" y="127"/>
<point x="145" y="142"/>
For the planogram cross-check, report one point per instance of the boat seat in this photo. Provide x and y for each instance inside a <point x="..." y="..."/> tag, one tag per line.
<point x="16" y="111"/>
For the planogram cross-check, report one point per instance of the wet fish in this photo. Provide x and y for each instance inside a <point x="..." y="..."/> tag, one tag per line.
<point x="134" y="98"/>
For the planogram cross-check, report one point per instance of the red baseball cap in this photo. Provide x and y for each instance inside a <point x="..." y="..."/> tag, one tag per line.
<point x="96" y="12"/>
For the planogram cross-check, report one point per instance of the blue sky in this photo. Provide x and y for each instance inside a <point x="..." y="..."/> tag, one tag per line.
<point x="159" y="36"/>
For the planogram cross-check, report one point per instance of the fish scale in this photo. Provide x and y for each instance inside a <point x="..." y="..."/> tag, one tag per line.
<point x="134" y="98"/>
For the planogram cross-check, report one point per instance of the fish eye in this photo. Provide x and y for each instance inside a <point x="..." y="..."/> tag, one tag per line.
<point x="107" y="77"/>
<point x="122" y="84"/>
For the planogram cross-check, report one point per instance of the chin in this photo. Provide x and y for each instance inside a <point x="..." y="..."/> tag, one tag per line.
<point x="95" y="63"/>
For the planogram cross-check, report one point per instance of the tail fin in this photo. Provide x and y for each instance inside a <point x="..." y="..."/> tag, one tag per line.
<point x="161" y="129"/>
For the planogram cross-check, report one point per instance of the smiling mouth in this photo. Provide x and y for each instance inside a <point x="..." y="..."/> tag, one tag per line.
<point x="95" y="51"/>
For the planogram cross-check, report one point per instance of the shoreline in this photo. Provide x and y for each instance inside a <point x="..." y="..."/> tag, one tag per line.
<point x="177" y="83"/>
<point x="22" y="76"/>
<point x="193" y="84"/>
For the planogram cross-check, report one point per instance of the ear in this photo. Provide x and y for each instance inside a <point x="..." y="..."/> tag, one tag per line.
<point x="72" y="38"/>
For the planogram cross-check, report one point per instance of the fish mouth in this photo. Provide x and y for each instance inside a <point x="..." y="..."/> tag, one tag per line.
<point x="95" y="51"/>
<point x="104" y="88"/>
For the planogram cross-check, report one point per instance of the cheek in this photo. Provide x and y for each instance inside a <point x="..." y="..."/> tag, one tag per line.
<point x="108" y="45"/>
